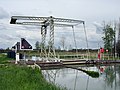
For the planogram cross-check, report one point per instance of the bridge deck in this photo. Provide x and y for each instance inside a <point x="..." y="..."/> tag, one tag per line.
<point x="68" y="62"/>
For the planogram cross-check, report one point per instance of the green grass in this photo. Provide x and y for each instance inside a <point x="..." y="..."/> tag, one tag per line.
<point x="23" y="78"/>
<point x="16" y="77"/>
<point x="4" y="59"/>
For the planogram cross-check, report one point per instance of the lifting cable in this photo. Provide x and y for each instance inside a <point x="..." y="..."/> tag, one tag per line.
<point x="86" y="40"/>
<point x="76" y="49"/>
<point x="87" y="52"/>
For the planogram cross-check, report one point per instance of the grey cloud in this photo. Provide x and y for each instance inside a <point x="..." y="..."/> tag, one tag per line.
<point x="7" y="40"/>
<point x="7" y="37"/>
<point x="95" y="11"/>
<point x="99" y="28"/>
<point x="3" y="13"/>
<point x="2" y="27"/>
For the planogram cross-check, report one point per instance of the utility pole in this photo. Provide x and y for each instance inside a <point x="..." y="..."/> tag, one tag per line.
<point x="119" y="30"/>
<point x="115" y="40"/>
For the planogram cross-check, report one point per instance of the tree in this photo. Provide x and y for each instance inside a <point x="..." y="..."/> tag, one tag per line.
<point x="118" y="47"/>
<point x="59" y="48"/>
<point x="118" y="42"/>
<point x="70" y="47"/>
<point x="62" y="42"/>
<point x="109" y="37"/>
<point x="8" y="48"/>
<point x="37" y="45"/>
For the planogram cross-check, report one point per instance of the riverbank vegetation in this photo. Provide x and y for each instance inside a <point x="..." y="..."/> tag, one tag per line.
<point x="4" y="59"/>
<point x="16" y="77"/>
<point x="93" y="74"/>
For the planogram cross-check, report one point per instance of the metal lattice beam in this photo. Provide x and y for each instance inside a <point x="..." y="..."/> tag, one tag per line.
<point x="30" y="23"/>
<point x="30" y="18"/>
<point x="51" y="41"/>
<point x="40" y="24"/>
<point x="67" y="20"/>
<point x="43" y="48"/>
<point x="44" y="18"/>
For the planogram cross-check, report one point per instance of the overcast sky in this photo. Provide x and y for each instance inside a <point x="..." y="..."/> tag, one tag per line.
<point x="93" y="12"/>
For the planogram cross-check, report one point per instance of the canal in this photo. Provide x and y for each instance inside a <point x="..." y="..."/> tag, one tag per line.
<point x="79" y="79"/>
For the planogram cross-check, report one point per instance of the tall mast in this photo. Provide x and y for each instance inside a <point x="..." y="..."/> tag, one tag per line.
<point x="119" y="30"/>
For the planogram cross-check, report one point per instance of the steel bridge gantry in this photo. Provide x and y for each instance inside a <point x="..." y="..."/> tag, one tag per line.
<point x="44" y="22"/>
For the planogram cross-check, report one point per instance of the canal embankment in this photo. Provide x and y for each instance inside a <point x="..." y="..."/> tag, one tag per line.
<point x="21" y="77"/>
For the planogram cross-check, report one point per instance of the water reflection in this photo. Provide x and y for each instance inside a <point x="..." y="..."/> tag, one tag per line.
<point x="74" y="79"/>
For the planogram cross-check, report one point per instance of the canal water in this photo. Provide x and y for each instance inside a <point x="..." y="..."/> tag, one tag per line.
<point x="72" y="79"/>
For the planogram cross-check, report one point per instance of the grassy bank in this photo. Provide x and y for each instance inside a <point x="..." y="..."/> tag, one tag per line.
<point x="15" y="77"/>
<point x="23" y="78"/>
<point x="4" y="59"/>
